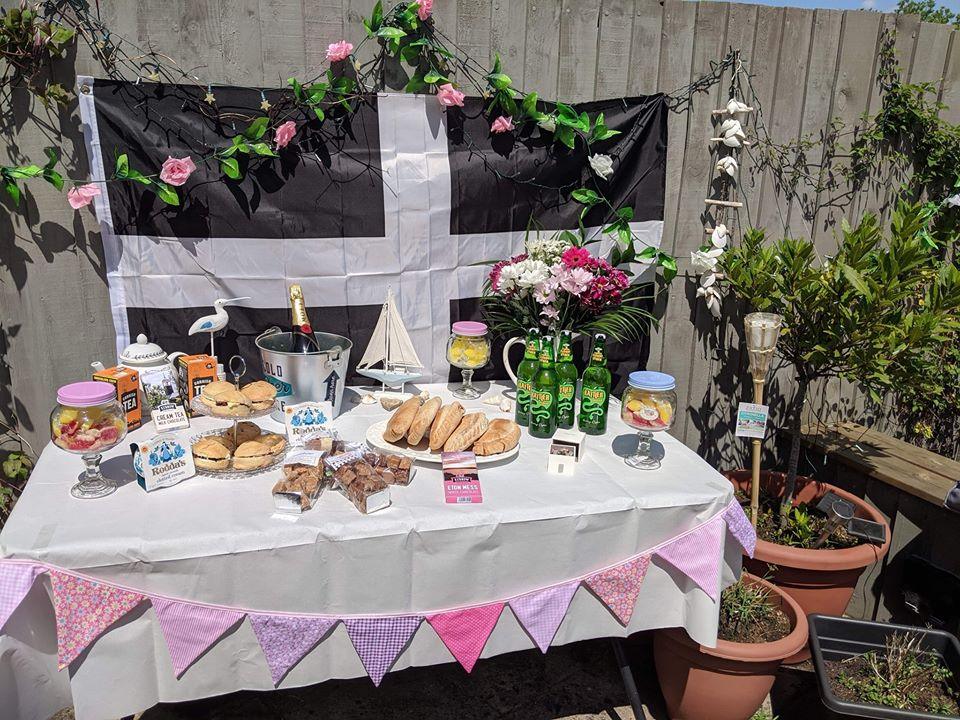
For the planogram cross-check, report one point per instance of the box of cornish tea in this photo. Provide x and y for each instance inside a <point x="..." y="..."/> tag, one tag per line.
<point x="127" y="383"/>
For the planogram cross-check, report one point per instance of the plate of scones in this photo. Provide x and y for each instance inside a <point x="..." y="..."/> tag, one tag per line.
<point x="223" y="453"/>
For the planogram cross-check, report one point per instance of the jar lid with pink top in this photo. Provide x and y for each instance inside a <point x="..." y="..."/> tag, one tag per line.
<point x="469" y="328"/>
<point x="86" y="394"/>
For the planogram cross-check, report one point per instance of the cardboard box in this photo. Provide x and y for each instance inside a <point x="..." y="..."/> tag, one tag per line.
<point x="566" y="450"/>
<point x="194" y="372"/>
<point x="127" y="383"/>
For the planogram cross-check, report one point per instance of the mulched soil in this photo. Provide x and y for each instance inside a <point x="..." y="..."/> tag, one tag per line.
<point x="934" y="695"/>
<point x="769" y="529"/>
<point x="774" y="626"/>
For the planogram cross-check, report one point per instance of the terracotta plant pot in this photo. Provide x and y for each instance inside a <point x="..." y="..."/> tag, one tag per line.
<point x="822" y="581"/>
<point x="730" y="681"/>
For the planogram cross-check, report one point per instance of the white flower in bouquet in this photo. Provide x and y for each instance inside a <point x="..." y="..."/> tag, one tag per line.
<point x="508" y="278"/>
<point x="531" y="273"/>
<point x="548" y="249"/>
<point x="602" y="165"/>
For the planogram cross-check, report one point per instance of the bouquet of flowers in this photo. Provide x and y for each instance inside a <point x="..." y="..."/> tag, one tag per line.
<point x="557" y="285"/>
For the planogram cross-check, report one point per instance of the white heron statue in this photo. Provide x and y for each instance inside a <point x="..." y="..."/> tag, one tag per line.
<point x="216" y="322"/>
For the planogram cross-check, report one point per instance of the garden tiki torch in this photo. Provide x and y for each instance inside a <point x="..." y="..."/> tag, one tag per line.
<point x="762" y="330"/>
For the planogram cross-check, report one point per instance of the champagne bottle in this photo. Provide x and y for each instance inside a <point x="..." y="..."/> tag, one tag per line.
<point x="543" y="395"/>
<point x="595" y="390"/>
<point x="566" y="381"/>
<point x="301" y="333"/>
<point x="526" y="371"/>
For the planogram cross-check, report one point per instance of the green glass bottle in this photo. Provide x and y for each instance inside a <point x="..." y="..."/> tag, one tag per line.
<point x="543" y="395"/>
<point x="595" y="390"/>
<point x="525" y="374"/>
<point x="566" y="381"/>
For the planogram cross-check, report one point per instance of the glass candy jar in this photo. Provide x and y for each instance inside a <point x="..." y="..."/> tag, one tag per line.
<point x="649" y="404"/>
<point x="87" y="420"/>
<point x="468" y="348"/>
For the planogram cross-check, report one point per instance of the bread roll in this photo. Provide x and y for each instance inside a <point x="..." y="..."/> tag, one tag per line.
<point x="260" y="393"/>
<point x="467" y="433"/>
<point x="445" y="423"/>
<point x="402" y="419"/>
<point x="252" y="455"/>
<point x="502" y="435"/>
<point x="423" y="420"/>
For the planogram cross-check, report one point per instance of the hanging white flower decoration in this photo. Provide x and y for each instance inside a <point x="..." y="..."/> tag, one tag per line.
<point x="602" y="165"/>
<point x="720" y="236"/>
<point x="728" y="165"/>
<point x="712" y="296"/>
<point x="701" y="261"/>
<point x="953" y="200"/>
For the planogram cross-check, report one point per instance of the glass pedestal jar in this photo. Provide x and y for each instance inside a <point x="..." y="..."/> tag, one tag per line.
<point x="468" y="348"/>
<point x="649" y="404"/>
<point x="87" y="420"/>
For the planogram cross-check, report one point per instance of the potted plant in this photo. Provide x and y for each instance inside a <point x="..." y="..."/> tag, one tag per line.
<point x="876" y="312"/>
<point x="878" y="670"/>
<point x="759" y="626"/>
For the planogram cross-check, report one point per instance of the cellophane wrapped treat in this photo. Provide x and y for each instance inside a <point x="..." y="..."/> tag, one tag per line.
<point x="302" y="483"/>
<point x="392" y="469"/>
<point x="359" y="481"/>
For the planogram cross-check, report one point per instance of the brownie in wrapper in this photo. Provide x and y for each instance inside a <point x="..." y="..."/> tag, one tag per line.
<point x="302" y="483"/>
<point x="359" y="481"/>
<point x="392" y="469"/>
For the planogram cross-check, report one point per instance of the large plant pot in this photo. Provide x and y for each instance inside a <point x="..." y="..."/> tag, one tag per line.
<point x="837" y="638"/>
<point x="730" y="681"/>
<point x="822" y="581"/>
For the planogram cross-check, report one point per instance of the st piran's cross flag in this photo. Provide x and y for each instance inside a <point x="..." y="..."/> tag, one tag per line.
<point x="400" y="193"/>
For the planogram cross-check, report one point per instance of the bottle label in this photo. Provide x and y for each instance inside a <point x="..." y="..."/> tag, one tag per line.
<point x="542" y="409"/>
<point x="597" y="356"/>
<point x="593" y="410"/>
<point x="523" y="393"/>
<point x="566" y="353"/>
<point x="565" y="392"/>
<point x="546" y="357"/>
<point x="531" y="351"/>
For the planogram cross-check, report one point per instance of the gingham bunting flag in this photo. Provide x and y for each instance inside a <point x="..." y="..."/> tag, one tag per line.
<point x="16" y="579"/>
<point x="380" y="640"/>
<point x="697" y="555"/>
<point x="84" y="609"/>
<point x="190" y="630"/>
<point x="285" y="639"/>
<point x="541" y="612"/>
<point x="619" y="586"/>
<point x="465" y="632"/>
<point x="740" y="527"/>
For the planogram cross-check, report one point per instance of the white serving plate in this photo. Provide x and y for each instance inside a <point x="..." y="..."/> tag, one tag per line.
<point x="422" y="452"/>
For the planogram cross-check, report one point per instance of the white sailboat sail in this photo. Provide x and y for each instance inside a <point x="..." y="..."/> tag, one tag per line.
<point x="402" y="351"/>
<point x="392" y="346"/>
<point x="376" y="349"/>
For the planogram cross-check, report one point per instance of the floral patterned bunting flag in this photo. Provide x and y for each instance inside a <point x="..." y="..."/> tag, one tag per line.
<point x="84" y="609"/>
<point x="541" y="612"/>
<point x="380" y="640"/>
<point x="465" y="632"/>
<point x="697" y="555"/>
<point x="190" y="630"/>
<point x="16" y="579"/>
<point x="740" y="527"/>
<point x="619" y="586"/>
<point x="285" y="639"/>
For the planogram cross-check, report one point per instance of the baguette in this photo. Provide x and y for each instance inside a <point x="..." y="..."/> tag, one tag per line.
<point x="445" y="423"/>
<point x="423" y="420"/>
<point x="467" y="433"/>
<point x="402" y="418"/>
<point x="502" y="435"/>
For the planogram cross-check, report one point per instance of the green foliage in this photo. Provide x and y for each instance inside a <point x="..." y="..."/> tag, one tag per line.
<point x="743" y="605"/>
<point x="123" y="171"/>
<point x="928" y="10"/>
<point x="14" y="472"/>
<point x="9" y="175"/>
<point x="28" y="42"/>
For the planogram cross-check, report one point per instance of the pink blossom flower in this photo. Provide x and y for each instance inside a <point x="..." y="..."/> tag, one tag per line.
<point x="575" y="280"/>
<point x="502" y="124"/>
<point x="82" y="195"/>
<point x="448" y="96"/>
<point x="545" y="292"/>
<point x="339" y="51"/>
<point x="284" y="134"/>
<point x="549" y="313"/>
<point x="175" y="171"/>
<point x="425" y="10"/>
<point x="576" y="257"/>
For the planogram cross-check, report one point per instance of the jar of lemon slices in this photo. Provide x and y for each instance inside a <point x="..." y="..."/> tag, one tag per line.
<point x="468" y="348"/>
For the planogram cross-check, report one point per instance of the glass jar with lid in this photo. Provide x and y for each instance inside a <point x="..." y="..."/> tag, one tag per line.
<point x="649" y="404"/>
<point x="87" y="420"/>
<point x="468" y="348"/>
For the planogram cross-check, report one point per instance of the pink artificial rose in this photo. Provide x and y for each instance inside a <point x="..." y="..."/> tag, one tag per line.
<point x="175" y="171"/>
<point x="502" y="124"/>
<point x="448" y="96"/>
<point x="425" y="10"/>
<point x="82" y="195"/>
<point x="339" y="51"/>
<point x="284" y="134"/>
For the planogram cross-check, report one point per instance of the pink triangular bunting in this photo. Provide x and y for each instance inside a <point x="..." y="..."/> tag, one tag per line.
<point x="619" y="586"/>
<point x="542" y="611"/>
<point x="379" y="640"/>
<point x="740" y="527"/>
<point x="465" y="632"/>
<point x="84" y="609"/>
<point x="285" y="639"/>
<point x="16" y="579"/>
<point x="697" y="555"/>
<point x="191" y="629"/>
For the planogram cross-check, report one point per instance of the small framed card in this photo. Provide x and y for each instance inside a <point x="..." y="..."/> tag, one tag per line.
<point x="306" y="418"/>
<point x="461" y="479"/>
<point x="162" y="461"/>
<point x="751" y="420"/>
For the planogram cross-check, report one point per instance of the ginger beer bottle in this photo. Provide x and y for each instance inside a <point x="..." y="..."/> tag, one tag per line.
<point x="543" y="394"/>
<point x="595" y="390"/>
<point x="525" y="373"/>
<point x="566" y="381"/>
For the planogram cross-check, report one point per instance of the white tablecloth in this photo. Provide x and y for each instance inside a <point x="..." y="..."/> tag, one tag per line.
<point x="219" y="541"/>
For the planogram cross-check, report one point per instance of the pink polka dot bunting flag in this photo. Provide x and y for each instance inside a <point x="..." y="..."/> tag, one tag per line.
<point x="619" y="586"/>
<point x="380" y="640"/>
<point x="541" y="612"/>
<point x="465" y="632"/>
<point x="697" y="555"/>
<point x="84" y="609"/>
<point x="189" y="630"/>
<point x="16" y="579"/>
<point x="286" y="639"/>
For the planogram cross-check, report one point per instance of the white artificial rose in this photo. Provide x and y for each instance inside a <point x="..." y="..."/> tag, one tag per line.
<point x="602" y="165"/>
<point x="720" y="236"/>
<point x="699" y="260"/>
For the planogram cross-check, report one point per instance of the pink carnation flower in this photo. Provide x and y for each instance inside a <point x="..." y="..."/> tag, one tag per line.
<point x="575" y="257"/>
<point x="82" y="195"/>
<point x="425" y="10"/>
<point x="502" y="124"/>
<point x="448" y="96"/>
<point x="175" y="171"/>
<point x="284" y="134"/>
<point x="339" y="51"/>
<point x="575" y="280"/>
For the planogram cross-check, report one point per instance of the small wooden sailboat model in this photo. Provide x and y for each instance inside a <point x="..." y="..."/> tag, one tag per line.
<point x="391" y="347"/>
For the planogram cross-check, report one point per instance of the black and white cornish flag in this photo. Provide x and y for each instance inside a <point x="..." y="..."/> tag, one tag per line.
<point x="400" y="194"/>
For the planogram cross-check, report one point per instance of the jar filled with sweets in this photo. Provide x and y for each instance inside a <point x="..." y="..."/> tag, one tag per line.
<point x="468" y="348"/>
<point x="649" y="404"/>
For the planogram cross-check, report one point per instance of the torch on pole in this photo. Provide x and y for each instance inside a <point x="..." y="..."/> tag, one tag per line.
<point x="762" y="332"/>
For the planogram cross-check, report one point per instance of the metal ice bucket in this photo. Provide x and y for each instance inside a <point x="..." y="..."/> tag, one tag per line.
<point x="302" y="377"/>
